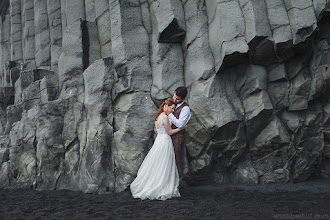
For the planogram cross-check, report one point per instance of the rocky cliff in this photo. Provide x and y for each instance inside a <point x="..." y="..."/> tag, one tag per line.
<point x="81" y="81"/>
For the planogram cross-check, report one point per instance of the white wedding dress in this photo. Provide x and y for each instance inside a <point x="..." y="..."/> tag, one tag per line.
<point x="158" y="176"/>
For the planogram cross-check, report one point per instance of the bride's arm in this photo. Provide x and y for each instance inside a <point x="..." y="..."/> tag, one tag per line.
<point x="168" y="128"/>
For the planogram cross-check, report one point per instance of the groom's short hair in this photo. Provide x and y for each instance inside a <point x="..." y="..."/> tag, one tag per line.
<point x="181" y="92"/>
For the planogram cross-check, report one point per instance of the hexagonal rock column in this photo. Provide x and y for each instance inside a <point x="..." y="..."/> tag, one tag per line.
<point x="4" y="163"/>
<point x="22" y="153"/>
<point x="169" y="22"/>
<point x="134" y="121"/>
<point x="90" y="10"/>
<point x="216" y="130"/>
<point x="32" y="85"/>
<point x="302" y="19"/>
<point x="6" y="98"/>
<point x="4" y="49"/>
<point x="167" y="58"/>
<point x="199" y="62"/>
<point x="28" y="31"/>
<point x="256" y="101"/>
<point x="130" y="43"/>
<point x="42" y="36"/>
<point x="280" y="25"/>
<point x="80" y="48"/>
<point x="72" y="11"/>
<point x="16" y="31"/>
<point x="278" y="86"/>
<point x="95" y="166"/>
<point x="227" y="36"/>
<point x="55" y="30"/>
<point x="104" y="26"/>
<point x="257" y="32"/>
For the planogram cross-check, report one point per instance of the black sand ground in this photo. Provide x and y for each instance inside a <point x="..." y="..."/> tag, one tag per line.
<point x="309" y="200"/>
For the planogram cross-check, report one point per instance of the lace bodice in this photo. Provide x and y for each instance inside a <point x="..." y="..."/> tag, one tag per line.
<point x="161" y="129"/>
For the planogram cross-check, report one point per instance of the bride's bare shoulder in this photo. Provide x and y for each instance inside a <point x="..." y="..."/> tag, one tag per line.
<point x="164" y="115"/>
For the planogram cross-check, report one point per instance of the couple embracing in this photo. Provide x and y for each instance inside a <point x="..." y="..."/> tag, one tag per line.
<point x="160" y="173"/>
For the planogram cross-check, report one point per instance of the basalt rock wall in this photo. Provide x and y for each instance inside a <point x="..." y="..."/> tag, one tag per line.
<point x="81" y="81"/>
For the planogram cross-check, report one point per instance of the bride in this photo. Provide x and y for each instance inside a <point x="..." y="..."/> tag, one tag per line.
<point x="158" y="176"/>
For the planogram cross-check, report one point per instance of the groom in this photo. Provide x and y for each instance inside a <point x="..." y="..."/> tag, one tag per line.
<point x="179" y="118"/>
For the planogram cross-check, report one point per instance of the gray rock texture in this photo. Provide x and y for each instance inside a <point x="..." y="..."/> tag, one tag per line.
<point x="81" y="81"/>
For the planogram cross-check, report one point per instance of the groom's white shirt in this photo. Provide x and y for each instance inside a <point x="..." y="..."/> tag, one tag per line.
<point x="183" y="117"/>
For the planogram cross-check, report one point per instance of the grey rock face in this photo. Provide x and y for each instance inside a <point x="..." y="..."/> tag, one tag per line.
<point x="133" y="133"/>
<point x="55" y="30"/>
<point x="302" y="19"/>
<point x="81" y="81"/>
<point x="132" y="60"/>
<point x="198" y="61"/>
<point x="7" y="98"/>
<point x="168" y="18"/>
<point x="167" y="58"/>
<point x="104" y="26"/>
<point x="226" y="36"/>
<point x="5" y="49"/>
<point x="42" y="35"/>
<point x="28" y="31"/>
<point x="15" y="30"/>
<point x="97" y="153"/>
<point x="73" y="11"/>
<point x="280" y="25"/>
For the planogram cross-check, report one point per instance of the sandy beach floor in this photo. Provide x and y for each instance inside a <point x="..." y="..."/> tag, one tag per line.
<point x="308" y="200"/>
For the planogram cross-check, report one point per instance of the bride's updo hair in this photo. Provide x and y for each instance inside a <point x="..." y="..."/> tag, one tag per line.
<point x="160" y="110"/>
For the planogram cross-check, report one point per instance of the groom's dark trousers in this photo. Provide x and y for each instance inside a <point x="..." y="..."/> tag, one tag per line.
<point x="178" y="140"/>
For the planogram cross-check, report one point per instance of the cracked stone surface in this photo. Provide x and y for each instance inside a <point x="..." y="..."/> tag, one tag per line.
<point x="81" y="81"/>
